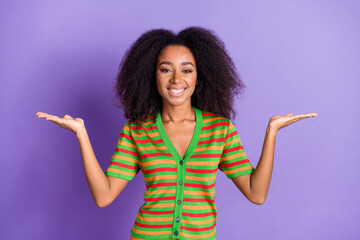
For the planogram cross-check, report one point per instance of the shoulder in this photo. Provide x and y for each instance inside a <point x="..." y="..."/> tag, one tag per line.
<point x="212" y="118"/>
<point x="145" y="123"/>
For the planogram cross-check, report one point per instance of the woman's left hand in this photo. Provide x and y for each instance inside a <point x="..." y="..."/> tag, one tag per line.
<point x="277" y="122"/>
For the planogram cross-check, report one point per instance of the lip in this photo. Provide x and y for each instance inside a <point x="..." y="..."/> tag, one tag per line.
<point x="176" y="94"/>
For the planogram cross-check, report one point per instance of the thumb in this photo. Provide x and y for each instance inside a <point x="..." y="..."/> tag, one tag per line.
<point x="67" y="117"/>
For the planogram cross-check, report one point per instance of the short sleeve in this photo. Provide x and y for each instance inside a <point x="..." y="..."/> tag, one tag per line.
<point x="125" y="162"/>
<point x="234" y="161"/>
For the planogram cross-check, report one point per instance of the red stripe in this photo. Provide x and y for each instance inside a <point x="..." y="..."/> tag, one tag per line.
<point x="199" y="185"/>
<point x="123" y="165"/>
<point x="215" y="125"/>
<point x="201" y="170"/>
<point x="142" y="127"/>
<point x="198" y="214"/>
<point x="155" y="212"/>
<point x="198" y="229"/>
<point x="127" y="136"/>
<point x="126" y="151"/>
<point x="231" y="134"/>
<point x="233" y="149"/>
<point x="148" y="141"/>
<point x="234" y="163"/>
<point x="161" y="185"/>
<point x="159" y="154"/>
<point x="153" y="226"/>
<point x="210" y="155"/>
<point x="165" y="169"/>
<point x="206" y="114"/>
<point x="159" y="199"/>
<point x="198" y="200"/>
<point x="211" y="140"/>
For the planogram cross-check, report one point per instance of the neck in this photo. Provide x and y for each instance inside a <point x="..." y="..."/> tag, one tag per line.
<point x="177" y="113"/>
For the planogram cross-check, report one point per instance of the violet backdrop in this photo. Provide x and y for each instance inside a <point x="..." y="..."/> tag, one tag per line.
<point x="61" y="57"/>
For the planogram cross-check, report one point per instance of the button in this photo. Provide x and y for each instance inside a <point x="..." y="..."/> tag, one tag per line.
<point x="180" y="182"/>
<point x="176" y="233"/>
<point x="179" y="202"/>
<point x="177" y="219"/>
<point x="181" y="162"/>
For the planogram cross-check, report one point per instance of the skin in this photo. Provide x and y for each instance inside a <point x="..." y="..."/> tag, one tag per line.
<point x="176" y="69"/>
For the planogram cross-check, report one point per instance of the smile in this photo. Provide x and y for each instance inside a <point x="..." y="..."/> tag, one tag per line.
<point x="176" y="92"/>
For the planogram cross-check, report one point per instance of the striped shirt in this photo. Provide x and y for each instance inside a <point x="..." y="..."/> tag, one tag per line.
<point x="180" y="195"/>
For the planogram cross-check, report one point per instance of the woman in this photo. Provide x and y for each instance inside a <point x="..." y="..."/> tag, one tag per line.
<point x="177" y="91"/>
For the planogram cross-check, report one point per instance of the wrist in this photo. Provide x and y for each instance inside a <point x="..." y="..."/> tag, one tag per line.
<point x="271" y="130"/>
<point x="81" y="132"/>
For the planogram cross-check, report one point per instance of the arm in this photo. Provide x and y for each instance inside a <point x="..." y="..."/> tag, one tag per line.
<point x="104" y="189"/>
<point x="255" y="186"/>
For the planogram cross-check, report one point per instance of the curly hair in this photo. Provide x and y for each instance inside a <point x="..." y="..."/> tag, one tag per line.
<point x="218" y="81"/>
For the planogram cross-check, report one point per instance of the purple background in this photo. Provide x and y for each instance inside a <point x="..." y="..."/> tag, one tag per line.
<point x="61" y="57"/>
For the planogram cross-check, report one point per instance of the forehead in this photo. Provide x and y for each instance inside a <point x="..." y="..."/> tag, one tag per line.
<point x="176" y="54"/>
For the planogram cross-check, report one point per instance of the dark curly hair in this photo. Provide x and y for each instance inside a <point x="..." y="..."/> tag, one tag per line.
<point x="218" y="81"/>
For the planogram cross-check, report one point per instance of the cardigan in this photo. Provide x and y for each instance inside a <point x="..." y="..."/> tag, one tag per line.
<point x="180" y="192"/>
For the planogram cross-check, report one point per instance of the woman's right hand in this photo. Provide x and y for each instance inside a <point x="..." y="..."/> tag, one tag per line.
<point x="67" y="122"/>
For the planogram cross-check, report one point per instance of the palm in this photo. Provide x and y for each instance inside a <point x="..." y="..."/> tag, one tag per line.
<point x="67" y="122"/>
<point x="277" y="122"/>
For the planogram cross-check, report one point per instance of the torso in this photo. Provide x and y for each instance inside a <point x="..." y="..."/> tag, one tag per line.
<point x="180" y="134"/>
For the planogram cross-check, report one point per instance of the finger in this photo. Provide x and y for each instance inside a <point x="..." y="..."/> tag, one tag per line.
<point x="67" y="117"/>
<point x="44" y="115"/>
<point x="306" y="115"/>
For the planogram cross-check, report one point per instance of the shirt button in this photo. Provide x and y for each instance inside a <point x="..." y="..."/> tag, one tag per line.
<point x="179" y="202"/>
<point x="177" y="219"/>
<point x="176" y="233"/>
<point x="181" y="162"/>
<point x="180" y="182"/>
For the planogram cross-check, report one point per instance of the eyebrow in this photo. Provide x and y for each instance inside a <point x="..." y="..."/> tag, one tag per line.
<point x="183" y="63"/>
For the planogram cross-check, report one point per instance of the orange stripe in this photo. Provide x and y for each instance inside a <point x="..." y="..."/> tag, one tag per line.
<point x="217" y="132"/>
<point x="199" y="222"/>
<point x="203" y="179"/>
<point x="197" y="236"/>
<point x="134" y="238"/>
<point x="128" y="159"/>
<point x="165" y="191"/>
<point x="141" y="134"/>
<point x="152" y="148"/>
<point x="199" y="207"/>
<point x="151" y="232"/>
<point x="123" y="143"/>
<point x="233" y="142"/>
<point x="159" y="205"/>
<point x="210" y="148"/>
<point x="190" y="192"/>
<point x="233" y="156"/>
<point x="147" y="219"/>
<point x="121" y="172"/>
<point x="126" y="127"/>
<point x="213" y="119"/>
<point x="161" y="161"/>
<point x="153" y="178"/>
<point x="148" y="122"/>
<point x="203" y="163"/>
<point x="238" y="170"/>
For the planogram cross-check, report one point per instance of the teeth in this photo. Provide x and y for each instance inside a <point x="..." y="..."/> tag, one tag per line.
<point x="177" y="91"/>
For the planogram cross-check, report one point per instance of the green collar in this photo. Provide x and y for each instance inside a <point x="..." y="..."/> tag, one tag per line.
<point x="194" y="139"/>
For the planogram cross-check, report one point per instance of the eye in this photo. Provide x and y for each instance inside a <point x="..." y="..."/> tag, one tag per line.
<point x="187" y="71"/>
<point x="165" y="70"/>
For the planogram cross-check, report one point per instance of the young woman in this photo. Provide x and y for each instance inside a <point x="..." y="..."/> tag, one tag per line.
<point x="177" y="91"/>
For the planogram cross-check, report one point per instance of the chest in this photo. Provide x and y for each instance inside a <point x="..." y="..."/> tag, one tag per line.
<point x="180" y="135"/>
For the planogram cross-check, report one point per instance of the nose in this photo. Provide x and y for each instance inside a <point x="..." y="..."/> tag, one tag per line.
<point x="175" y="78"/>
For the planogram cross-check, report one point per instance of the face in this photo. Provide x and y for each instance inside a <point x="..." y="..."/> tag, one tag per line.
<point x="176" y="76"/>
